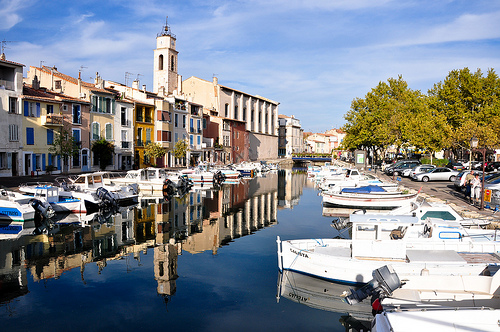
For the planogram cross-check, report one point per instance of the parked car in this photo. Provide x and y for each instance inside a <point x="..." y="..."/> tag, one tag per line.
<point x="400" y="166"/>
<point x="455" y="165"/>
<point x="424" y="168"/>
<point x="459" y="182"/>
<point x="437" y="174"/>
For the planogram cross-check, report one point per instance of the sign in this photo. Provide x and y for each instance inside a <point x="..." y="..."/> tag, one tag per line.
<point x="360" y="158"/>
<point x="487" y="195"/>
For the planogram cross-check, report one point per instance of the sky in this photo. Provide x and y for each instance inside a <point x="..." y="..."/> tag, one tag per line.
<point x="312" y="56"/>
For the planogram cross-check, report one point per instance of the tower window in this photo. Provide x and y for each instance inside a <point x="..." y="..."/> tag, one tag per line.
<point x="172" y="63"/>
<point x="160" y="62"/>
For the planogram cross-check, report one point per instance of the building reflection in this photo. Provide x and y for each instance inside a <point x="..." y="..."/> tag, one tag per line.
<point x="202" y="220"/>
<point x="290" y="185"/>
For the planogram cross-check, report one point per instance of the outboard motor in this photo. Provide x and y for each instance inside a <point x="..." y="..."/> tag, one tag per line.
<point x="105" y="196"/>
<point x="219" y="178"/>
<point x="169" y="189"/>
<point x="43" y="208"/>
<point x="133" y="188"/>
<point x="384" y="282"/>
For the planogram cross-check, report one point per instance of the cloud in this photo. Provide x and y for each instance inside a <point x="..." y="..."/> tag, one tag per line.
<point x="8" y="12"/>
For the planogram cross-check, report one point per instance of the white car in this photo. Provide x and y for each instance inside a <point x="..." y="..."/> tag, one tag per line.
<point x="418" y="169"/>
<point x="437" y="174"/>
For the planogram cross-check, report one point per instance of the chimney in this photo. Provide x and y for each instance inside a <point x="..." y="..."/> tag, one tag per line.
<point x="35" y="84"/>
<point x="135" y="84"/>
<point x="2" y="57"/>
<point x="144" y="87"/>
<point x="215" y="80"/>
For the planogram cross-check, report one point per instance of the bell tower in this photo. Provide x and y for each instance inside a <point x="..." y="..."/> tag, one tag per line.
<point x="165" y="62"/>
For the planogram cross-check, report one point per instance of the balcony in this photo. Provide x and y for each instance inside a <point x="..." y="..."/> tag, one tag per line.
<point x="7" y="85"/>
<point x="126" y="145"/>
<point x="52" y="120"/>
<point x="126" y="123"/>
<point x="140" y="142"/>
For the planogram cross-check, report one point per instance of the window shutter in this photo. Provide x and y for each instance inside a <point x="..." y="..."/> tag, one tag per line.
<point x="30" y="136"/>
<point x="158" y="135"/>
<point x="37" y="110"/>
<point x="43" y="161"/>
<point x="26" y="108"/>
<point x="49" y="159"/>
<point x="33" y="162"/>
<point x="59" y="162"/>
<point x="50" y="136"/>
<point x="9" y="160"/>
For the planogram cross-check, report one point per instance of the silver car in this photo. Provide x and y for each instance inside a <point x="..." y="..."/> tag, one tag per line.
<point x="418" y="169"/>
<point x="437" y="174"/>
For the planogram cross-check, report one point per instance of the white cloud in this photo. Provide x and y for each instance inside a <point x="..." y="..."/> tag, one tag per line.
<point x="8" y="12"/>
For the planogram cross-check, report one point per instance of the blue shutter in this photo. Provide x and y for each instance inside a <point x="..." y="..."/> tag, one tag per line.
<point x="50" y="136"/>
<point x="30" y="136"/>
<point x="43" y="161"/>
<point x="37" y="110"/>
<point x="33" y="162"/>
<point x="26" y="108"/>
<point x="49" y="159"/>
<point x="58" y="162"/>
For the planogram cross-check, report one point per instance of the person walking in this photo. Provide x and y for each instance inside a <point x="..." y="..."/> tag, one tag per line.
<point x="468" y="184"/>
<point x="475" y="189"/>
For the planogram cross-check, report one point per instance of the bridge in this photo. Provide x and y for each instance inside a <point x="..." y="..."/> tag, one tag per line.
<point x="304" y="159"/>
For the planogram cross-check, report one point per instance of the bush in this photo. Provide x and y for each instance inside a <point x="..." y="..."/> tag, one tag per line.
<point x="437" y="162"/>
<point x="49" y="169"/>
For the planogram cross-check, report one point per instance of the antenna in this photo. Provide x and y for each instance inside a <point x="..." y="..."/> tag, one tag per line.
<point x="138" y="76"/>
<point x="3" y="46"/>
<point x="127" y="75"/>
<point x="81" y="68"/>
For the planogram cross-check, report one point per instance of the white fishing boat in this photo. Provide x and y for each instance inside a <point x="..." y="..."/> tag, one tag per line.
<point x="410" y="245"/>
<point x="369" y="197"/>
<point x="150" y="180"/>
<point x="355" y="181"/>
<point x="15" y="207"/>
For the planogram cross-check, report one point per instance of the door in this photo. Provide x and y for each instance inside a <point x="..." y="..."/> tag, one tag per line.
<point x="85" y="160"/>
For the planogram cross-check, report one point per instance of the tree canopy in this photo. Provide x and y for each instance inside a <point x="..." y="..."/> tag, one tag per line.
<point x="103" y="151"/>
<point x="463" y="105"/>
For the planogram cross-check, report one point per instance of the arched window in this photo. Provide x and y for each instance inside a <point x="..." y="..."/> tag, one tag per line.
<point x="172" y="63"/>
<point x="160" y="62"/>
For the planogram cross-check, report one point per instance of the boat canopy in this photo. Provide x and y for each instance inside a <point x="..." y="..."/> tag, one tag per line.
<point x="363" y="190"/>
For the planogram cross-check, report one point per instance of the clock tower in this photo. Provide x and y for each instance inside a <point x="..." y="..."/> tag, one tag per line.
<point x="165" y="62"/>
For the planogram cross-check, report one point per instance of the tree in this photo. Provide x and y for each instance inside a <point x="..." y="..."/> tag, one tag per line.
<point x="65" y="146"/>
<point x="103" y="151"/>
<point x="154" y="151"/>
<point x="180" y="149"/>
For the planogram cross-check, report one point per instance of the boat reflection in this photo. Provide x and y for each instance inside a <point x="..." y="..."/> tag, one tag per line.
<point x="200" y="220"/>
<point x="324" y="295"/>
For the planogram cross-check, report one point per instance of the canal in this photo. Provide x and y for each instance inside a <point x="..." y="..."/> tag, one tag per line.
<point x="203" y="262"/>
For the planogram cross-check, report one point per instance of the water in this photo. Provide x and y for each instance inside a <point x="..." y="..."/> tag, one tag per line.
<point x="207" y="262"/>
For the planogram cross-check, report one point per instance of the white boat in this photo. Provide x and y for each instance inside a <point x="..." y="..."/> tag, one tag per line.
<point x="442" y="320"/>
<point x="94" y="183"/>
<point x="60" y="203"/>
<point x="150" y="181"/>
<point x="362" y="180"/>
<point x="15" y="207"/>
<point x="410" y="245"/>
<point x="369" y="197"/>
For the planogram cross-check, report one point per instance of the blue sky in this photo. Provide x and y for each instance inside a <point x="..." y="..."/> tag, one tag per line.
<point x="312" y="56"/>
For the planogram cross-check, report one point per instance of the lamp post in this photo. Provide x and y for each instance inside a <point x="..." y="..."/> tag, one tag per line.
<point x="473" y="143"/>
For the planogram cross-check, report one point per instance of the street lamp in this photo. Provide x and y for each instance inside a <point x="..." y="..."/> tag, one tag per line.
<point x="473" y="143"/>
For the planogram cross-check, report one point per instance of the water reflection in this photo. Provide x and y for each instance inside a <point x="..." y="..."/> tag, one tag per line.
<point x="201" y="220"/>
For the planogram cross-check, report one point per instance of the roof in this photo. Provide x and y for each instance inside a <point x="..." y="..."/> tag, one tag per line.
<point x="48" y="96"/>
<point x="89" y="86"/>
<point x="11" y="63"/>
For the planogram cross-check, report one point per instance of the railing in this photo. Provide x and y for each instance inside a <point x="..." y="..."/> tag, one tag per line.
<point x="125" y="123"/>
<point x="138" y="118"/>
<point x="191" y="130"/>
<point x="126" y="145"/>
<point x="140" y="142"/>
<point x="52" y="120"/>
<point x="148" y="119"/>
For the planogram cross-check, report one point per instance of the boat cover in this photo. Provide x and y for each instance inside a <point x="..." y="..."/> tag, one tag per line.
<point x="363" y="190"/>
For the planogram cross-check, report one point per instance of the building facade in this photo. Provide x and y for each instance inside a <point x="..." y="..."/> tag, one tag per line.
<point x="291" y="136"/>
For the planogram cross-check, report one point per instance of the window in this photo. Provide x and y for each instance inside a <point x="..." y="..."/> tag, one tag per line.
<point x="50" y="136"/>
<point x="236" y="112"/>
<point x="226" y="110"/>
<point x="252" y="115"/>
<point x="123" y="114"/>
<point x="50" y="109"/>
<point x="148" y="135"/>
<point x="198" y="138"/>
<point x="198" y="124"/>
<point x="191" y="125"/>
<point x="191" y="140"/>
<point x="160" y="62"/>
<point x="244" y="114"/>
<point x="77" y="115"/>
<point x="225" y="125"/>
<point x="204" y="123"/>
<point x="176" y="137"/>
<point x="57" y="84"/>
<point x="13" y="133"/>
<point x="164" y="116"/>
<point x="77" y="139"/>
<point x="163" y="136"/>
<point x="30" y="136"/>
<point x="172" y="63"/>
<point x="109" y="131"/>
<point x="176" y="120"/>
<point x="95" y="130"/>
<point x="183" y="121"/>
<point x="12" y="105"/>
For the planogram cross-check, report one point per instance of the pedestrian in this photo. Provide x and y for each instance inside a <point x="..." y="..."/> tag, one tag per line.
<point x="475" y="189"/>
<point x="468" y="183"/>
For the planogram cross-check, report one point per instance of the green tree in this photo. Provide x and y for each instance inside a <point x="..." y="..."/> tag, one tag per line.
<point x="103" y="151"/>
<point x="471" y="104"/>
<point x="180" y="149"/>
<point x="154" y="151"/>
<point x="65" y="146"/>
